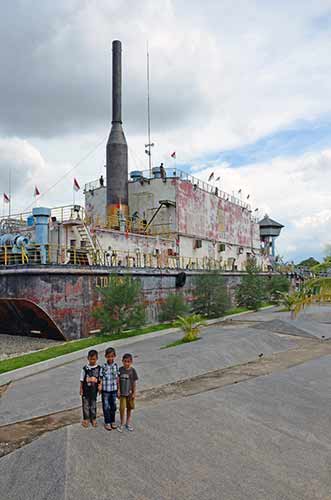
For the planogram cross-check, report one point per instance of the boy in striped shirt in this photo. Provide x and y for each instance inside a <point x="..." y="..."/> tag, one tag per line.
<point x="109" y="388"/>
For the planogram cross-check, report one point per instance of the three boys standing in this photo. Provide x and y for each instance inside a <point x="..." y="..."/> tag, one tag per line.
<point x="112" y="382"/>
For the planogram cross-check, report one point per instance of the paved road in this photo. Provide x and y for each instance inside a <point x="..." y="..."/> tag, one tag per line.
<point x="220" y="346"/>
<point x="264" y="439"/>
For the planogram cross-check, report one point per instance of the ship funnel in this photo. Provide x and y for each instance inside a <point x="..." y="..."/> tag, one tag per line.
<point x="117" y="149"/>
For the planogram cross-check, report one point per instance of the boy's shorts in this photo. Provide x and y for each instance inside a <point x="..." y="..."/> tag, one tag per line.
<point x="126" y="402"/>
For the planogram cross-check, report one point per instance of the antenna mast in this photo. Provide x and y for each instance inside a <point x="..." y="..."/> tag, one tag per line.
<point x="9" y="188"/>
<point x="149" y="146"/>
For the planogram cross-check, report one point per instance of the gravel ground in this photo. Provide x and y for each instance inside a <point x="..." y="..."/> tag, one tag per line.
<point x="13" y="345"/>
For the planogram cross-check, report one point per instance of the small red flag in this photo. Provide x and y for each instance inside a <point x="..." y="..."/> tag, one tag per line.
<point x="173" y="155"/>
<point x="76" y="185"/>
<point x="36" y="191"/>
<point x="6" y="198"/>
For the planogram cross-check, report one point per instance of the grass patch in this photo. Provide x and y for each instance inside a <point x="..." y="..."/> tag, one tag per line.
<point x="179" y="342"/>
<point x="235" y="310"/>
<point x="7" y="365"/>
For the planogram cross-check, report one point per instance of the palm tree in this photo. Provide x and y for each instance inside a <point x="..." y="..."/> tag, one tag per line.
<point x="317" y="290"/>
<point x="287" y="300"/>
<point x="190" y="326"/>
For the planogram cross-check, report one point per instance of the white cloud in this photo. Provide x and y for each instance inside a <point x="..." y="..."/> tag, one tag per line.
<point x="294" y="191"/>
<point x="20" y="160"/>
<point x="223" y="74"/>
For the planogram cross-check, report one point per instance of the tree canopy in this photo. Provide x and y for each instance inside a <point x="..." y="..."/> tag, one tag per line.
<point x="310" y="262"/>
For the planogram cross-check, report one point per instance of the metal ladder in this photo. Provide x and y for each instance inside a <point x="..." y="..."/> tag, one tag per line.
<point x="92" y="244"/>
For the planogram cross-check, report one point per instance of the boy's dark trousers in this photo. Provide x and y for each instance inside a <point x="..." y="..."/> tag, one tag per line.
<point x="109" y="406"/>
<point x="89" y="404"/>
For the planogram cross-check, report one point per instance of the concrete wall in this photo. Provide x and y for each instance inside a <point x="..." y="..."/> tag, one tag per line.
<point x="68" y="295"/>
<point x="204" y="215"/>
<point x="95" y="205"/>
<point x="232" y="258"/>
<point x="136" y="249"/>
<point x="145" y="198"/>
<point x="198" y="215"/>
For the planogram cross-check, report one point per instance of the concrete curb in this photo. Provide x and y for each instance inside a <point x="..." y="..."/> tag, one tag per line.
<point x="42" y="366"/>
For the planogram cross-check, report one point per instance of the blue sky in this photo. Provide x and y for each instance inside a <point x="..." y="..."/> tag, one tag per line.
<point x="297" y="157"/>
<point x="296" y="140"/>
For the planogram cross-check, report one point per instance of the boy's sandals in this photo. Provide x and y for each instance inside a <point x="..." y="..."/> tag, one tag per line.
<point x="85" y="423"/>
<point x="113" y="426"/>
<point x="94" y="423"/>
<point x="107" y="427"/>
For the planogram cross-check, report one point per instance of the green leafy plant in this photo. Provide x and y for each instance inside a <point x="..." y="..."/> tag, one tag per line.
<point x="310" y="293"/>
<point x="317" y="290"/>
<point x="287" y="300"/>
<point x="190" y="326"/>
<point x="251" y="292"/>
<point x="211" y="295"/>
<point x="121" y="305"/>
<point x="275" y="285"/>
<point x="173" y="306"/>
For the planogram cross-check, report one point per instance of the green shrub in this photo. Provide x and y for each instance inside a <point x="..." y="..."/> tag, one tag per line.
<point x="275" y="285"/>
<point x="288" y="300"/>
<point x="172" y="307"/>
<point x="190" y="326"/>
<point x="211" y="295"/>
<point x="251" y="291"/>
<point x="121" y="308"/>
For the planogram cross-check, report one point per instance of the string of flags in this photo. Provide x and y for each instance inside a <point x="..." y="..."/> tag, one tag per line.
<point x="211" y="177"/>
<point x="36" y="193"/>
<point x="76" y="186"/>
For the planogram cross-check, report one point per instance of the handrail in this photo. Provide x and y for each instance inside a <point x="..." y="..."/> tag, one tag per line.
<point x="175" y="173"/>
<point x="62" y="213"/>
<point x="82" y="257"/>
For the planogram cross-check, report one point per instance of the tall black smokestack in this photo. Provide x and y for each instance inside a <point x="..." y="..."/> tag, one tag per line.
<point x="117" y="149"/>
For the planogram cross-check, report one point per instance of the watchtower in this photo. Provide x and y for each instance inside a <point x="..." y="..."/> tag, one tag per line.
<point x="269" y="231"/>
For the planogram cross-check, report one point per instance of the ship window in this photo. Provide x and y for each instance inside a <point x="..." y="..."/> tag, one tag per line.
<point x="197" y="243"/>
<point x="221" y="247"/>
<point x="72" y="243"/>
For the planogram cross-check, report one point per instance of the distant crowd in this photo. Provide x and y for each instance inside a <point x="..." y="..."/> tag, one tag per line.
<point x="113" y="383"/>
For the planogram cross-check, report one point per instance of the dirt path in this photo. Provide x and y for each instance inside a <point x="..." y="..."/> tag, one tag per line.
<point x="15" y="345"/>
<point x="16" y="435"/>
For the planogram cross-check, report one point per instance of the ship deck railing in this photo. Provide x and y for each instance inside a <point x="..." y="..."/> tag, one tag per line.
<point x="61" y="214"/>
<point x="61" y="255"/>
<point x="175" y="173"/>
